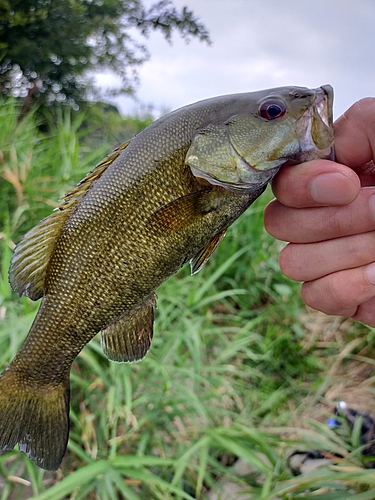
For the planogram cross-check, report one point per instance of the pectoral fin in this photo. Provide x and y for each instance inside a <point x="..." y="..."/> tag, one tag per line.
<point x="130" y="337"/>
<point x="199" y="260"/>
<point x="183" y="211"/>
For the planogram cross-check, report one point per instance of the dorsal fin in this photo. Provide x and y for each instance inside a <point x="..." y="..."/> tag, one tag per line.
<point x="84" y="185"/>
<point x="29" y="263"/>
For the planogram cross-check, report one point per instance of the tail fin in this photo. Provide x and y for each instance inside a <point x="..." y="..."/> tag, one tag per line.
<point x="34" y="417"/>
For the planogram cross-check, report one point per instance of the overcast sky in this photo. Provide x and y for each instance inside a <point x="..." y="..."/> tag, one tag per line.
<point x="260" y="44"/>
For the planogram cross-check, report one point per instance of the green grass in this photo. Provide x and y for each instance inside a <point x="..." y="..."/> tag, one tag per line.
<point x="228" y="370"/>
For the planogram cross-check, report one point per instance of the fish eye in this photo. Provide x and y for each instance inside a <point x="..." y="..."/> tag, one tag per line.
<point x="270" y="110"/>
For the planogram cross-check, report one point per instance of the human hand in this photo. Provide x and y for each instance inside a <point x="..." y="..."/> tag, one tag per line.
<point x="327" y="211"/>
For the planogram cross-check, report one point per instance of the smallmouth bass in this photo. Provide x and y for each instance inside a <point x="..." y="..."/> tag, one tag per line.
<point x="163" y="199"/>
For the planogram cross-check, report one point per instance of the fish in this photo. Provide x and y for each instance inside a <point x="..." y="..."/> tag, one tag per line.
<point x="157" y="202"/>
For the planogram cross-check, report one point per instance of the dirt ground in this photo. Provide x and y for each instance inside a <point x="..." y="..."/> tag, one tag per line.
<point x="351" y="372"/>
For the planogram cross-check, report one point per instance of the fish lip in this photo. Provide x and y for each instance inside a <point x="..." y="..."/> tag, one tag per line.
<point x="321" y="110"/>
<point x="327" y="114"/>
<point x="324" y="104"/>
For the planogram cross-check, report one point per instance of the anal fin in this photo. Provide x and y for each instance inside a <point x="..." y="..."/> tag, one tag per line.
<point x="199" y="260"/>
<point x="129" y="338"/>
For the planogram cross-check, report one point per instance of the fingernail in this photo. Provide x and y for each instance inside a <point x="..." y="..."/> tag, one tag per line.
<point x="370" y="273"/>
<point x="332" y="189"/>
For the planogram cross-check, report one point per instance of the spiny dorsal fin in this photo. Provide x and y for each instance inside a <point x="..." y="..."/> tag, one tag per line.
<point x="72" y="196"/>
<point x="129" y="338"/>
<point x="29" y="263"/>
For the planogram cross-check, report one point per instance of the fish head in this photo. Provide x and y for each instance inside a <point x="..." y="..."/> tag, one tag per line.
<point x="244" y="151"/>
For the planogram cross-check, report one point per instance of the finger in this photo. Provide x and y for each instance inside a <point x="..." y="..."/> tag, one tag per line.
<point x="316" y="183"/>
<point x="341" y="293"/>
<point x="366" y="174"/>
<point x="355" y="134"/>
<point x="311" y="261"/>
<point x="366" y="312"/>
<point x="319" y="224"/>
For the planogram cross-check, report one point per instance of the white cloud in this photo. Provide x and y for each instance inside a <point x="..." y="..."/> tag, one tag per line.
<point x="260" y="44"/>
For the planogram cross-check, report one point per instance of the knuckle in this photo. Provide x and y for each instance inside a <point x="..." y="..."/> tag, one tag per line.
<point x="339" y="292"/>
<point x="366" y="313"/>
<point x="339" y="221"/>
<point x="308" y="295"/>
<point x="363" y="107"/>
<point x="269" y="216"/>
<point x="336" y="223"/>
<point x="356" y="249"/>
<point x="361" y="248"/>
<point x="333" y="293"/>
<point x="290" y="262"/>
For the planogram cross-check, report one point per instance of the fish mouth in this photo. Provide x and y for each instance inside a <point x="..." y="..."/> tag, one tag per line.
<point x="315" y="127"/>
<point x="324" y="104"/>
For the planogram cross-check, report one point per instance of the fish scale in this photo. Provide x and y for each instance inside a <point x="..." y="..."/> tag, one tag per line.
<point x="165" y="197"/>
